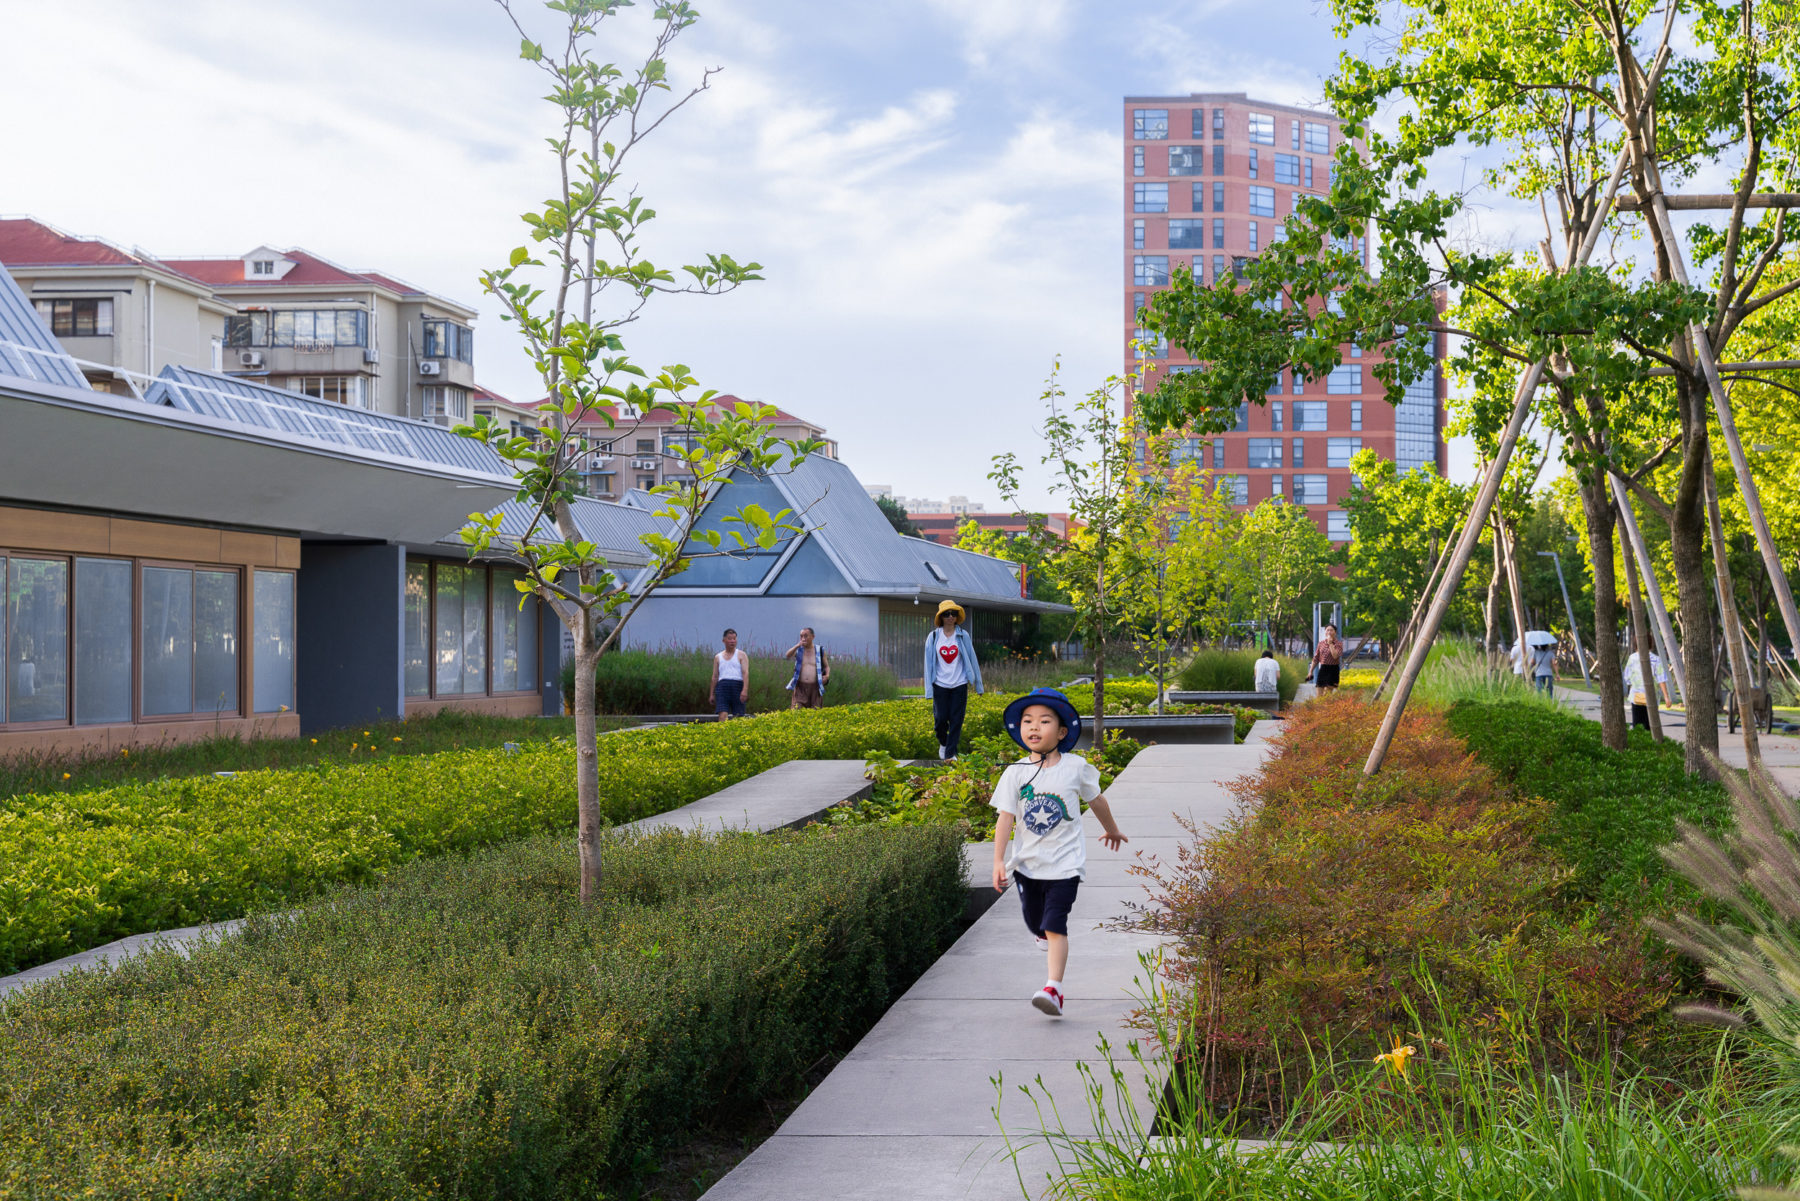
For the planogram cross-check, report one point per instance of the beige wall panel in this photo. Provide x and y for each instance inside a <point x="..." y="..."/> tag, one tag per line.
<point x="287" y="553"/>
<point x="35" y="529"/>
<point x="152" y="541"/>
<point x="255" y="549"/>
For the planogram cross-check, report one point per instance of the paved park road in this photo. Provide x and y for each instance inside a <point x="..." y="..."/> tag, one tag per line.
<point x="909" y="1113"/>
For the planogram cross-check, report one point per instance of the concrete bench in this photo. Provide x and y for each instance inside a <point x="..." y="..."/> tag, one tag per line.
<point x="1268" y="702"/>
<point x="1176" y="729"/>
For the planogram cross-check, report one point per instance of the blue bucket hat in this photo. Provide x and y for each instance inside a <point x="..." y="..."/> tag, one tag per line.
<point x="1057" y="703"/>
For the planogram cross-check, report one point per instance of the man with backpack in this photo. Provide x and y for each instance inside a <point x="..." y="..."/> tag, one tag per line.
<point x="812" y="671"/>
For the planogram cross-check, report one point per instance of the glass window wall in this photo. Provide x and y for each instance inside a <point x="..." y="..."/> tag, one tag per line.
<point x="273" y="657"/>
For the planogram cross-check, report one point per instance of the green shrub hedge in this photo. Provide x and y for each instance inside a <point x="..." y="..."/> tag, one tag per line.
<point x="81" y="869"/>
<point x="1235" y="671"/>
<point x="467" y="1029"/>
<point x="660" y="682"/>
<point x="1611" y="810"/>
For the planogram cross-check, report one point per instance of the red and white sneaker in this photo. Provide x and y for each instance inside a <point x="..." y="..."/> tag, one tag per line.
<point x="1048" y="1000"/>
<point x="1043" y="944"/>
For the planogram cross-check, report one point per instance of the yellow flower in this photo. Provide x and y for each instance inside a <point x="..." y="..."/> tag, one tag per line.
<point x="65" y="775"/>
<point x="396" y="738"/>
<point x="1395" y="1060"/>
<point x="282" y="709"/>
<point x="353" y="746"/>
<point x="365" y="733"/>
<point x="315" y="742"/>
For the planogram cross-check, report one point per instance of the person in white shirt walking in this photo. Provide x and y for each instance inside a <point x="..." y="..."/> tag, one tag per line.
<point x="950" y="671"/>
<point x="1041" y="798"/>
<point x="730" y="679"/>
<point x="1268" y="672"/>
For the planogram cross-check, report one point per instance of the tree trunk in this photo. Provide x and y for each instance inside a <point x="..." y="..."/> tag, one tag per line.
<point x="1728" y="620"/>
<point x="1515" y="592"/>
<point x="1099" y="695"/>
<point x="1640" y="638"/>
<point x="1693" y="583"/>
<point x="587" y="756"/>
<point x="1602" y="523"/>
<point x="1492" y="611"/>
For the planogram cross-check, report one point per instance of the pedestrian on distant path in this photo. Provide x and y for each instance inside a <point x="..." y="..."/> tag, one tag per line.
<point x="1268" y="673"/>
<point x="950" y="670"/>
<point x="1326" y="659"/>
<point x="812" y="671"/>
<point x="730" y="679"/>
<point x="1042" y="797"/>
<point x="1634" y="684"/>
<point x="1543" y="667"/>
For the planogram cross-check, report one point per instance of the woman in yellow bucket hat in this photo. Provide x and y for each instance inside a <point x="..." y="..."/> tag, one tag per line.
<point x="950" y="671"/>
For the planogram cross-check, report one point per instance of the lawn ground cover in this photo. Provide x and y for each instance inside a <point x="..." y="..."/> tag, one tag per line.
<point x="448" y="730"/>
<point x="81" y="869"/>
<point x="465" y="1028"/>
<point x="1610" y="811"/>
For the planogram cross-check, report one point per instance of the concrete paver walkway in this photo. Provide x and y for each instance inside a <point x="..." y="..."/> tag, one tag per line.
<point x="788" y="795"/>
<point x="1780" y="752"/>
<point x="910" y="1111"/>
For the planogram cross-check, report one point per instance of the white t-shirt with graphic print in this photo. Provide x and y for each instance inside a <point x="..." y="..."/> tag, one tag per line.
<point x="1048" y="841"/>
<point x="951" y="670"/>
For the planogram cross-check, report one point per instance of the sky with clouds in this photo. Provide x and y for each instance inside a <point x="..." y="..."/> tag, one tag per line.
<point x="932" y="186"/>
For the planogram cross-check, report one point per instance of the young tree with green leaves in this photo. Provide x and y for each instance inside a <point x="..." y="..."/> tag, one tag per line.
<point x="578" y="280"/>
<point x="1399" y="525"/>
<point x="1283" y="561"/>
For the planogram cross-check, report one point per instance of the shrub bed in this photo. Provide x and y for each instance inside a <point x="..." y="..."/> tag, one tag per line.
<point x="662" y="682"/>
<point x="1329" y="913"/>
<point x="467" y="1028"/>
<point x="1235" y="671"/>
<point x="81" y="869"/>
<point x="1609" y="810"/>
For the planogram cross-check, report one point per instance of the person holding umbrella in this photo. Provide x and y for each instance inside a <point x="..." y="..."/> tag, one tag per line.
<point x="1541" y="651"/>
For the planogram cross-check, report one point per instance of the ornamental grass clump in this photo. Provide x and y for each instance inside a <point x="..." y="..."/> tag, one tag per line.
<point x="467" y="1028"/>
<point x="1235" y="671"/>
<point x="1316" y="915"/>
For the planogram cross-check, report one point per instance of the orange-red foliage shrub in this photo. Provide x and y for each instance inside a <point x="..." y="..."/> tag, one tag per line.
<point x="1323" y="912"/>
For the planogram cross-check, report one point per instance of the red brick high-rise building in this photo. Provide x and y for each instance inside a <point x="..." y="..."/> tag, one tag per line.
<point x="1210" y="180"/>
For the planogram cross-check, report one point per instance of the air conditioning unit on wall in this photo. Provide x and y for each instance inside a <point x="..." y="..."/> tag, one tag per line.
<point x="429" y="367"/>
<point x="250" y="358"/>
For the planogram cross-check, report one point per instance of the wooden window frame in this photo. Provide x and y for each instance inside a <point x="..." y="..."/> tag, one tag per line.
<point x="431" y="693"/>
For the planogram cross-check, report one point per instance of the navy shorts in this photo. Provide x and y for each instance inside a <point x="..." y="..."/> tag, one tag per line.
<point x="1046" y="903"/>
<point x="728" y="697"/>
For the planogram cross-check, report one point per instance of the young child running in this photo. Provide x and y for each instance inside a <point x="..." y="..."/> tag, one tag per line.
<point x="1043" y="795"/>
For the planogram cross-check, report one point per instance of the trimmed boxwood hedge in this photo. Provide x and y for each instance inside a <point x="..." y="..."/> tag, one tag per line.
<point x="80" y="869"/>
<point x="467" y="1028"/>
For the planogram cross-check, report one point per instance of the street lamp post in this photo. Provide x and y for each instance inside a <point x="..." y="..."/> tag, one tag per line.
<point x="1574" y="630"/>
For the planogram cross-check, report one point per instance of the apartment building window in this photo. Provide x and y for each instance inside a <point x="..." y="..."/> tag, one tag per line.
<point x="646" y="482"/>
<point x="1150" y="124"/>
<point x="1197" y="198"/>
<point x="1294" y="133"/>
<point x="1137" y="303"/>
<point x="302" y="329"/>
<point x="1218" y="454"/>
<point x="1137" y="234"/>
<point x="1187" y="160"/>
<point x="1262" y="128"/>
<point x="1299" y="452"/>
<point x="1356" y="414"/>
<point x="1150" y="270"/>
<point x="1275" y="413"/>
<point x="1265" y="452"/>
<point x="1275" y="484"/>
<point x="448" y="340"/>
<point x="1218" y="272"/>
<point x="1299" y="382"/>
<point x="77" y="318"/>
<point x="262" y="266"/>
<point x="1218" y="233"/>
<point x="1339" y="451"/>
<point x="1242" y="420"/>
<point x="1287" y="169"/>
<point x="1253" y="163"/>
<point x="1218" y="159"/>
<point x="1150" y="197"/>
<point x="1337" y="525"/>
<point x="1197" y="120"/>
<point x="443" y="404"/>
<point x="1310" y="490"/>
<point x="1310" y="415"/>
<point x="1318" y="138"/>
<point x="1236" y="489"/>
<point x="600" y="483"/>
<point x="1185" y="234"/>
<point x="1262" y="201"/>
<point x="352" y="390"/>
<point x="1308" y="183"/>
<point x="1344" y="381"/>
<point x="1218" y="122"/>
<point x="1252" y="233"/>
<point x="1218" y="198"/>
<point x="1147" y="344"/>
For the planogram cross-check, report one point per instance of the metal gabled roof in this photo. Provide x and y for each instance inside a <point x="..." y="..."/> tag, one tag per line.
<point x="967" y="573"/>
<point x="245" y="402"/>
<point x="27" y="348"/>
<point x="616" y="529"/>
<point x="856" y="533"/>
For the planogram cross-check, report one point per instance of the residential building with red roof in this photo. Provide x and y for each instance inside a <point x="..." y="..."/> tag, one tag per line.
<point x="638" y="452"/>
<point x="284" y="317"/>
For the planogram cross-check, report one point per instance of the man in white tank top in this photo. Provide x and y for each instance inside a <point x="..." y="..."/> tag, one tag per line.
<point x="730" y="679"/>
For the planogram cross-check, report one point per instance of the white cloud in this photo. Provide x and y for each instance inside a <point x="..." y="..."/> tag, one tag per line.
<point x="1004" y="32"/>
